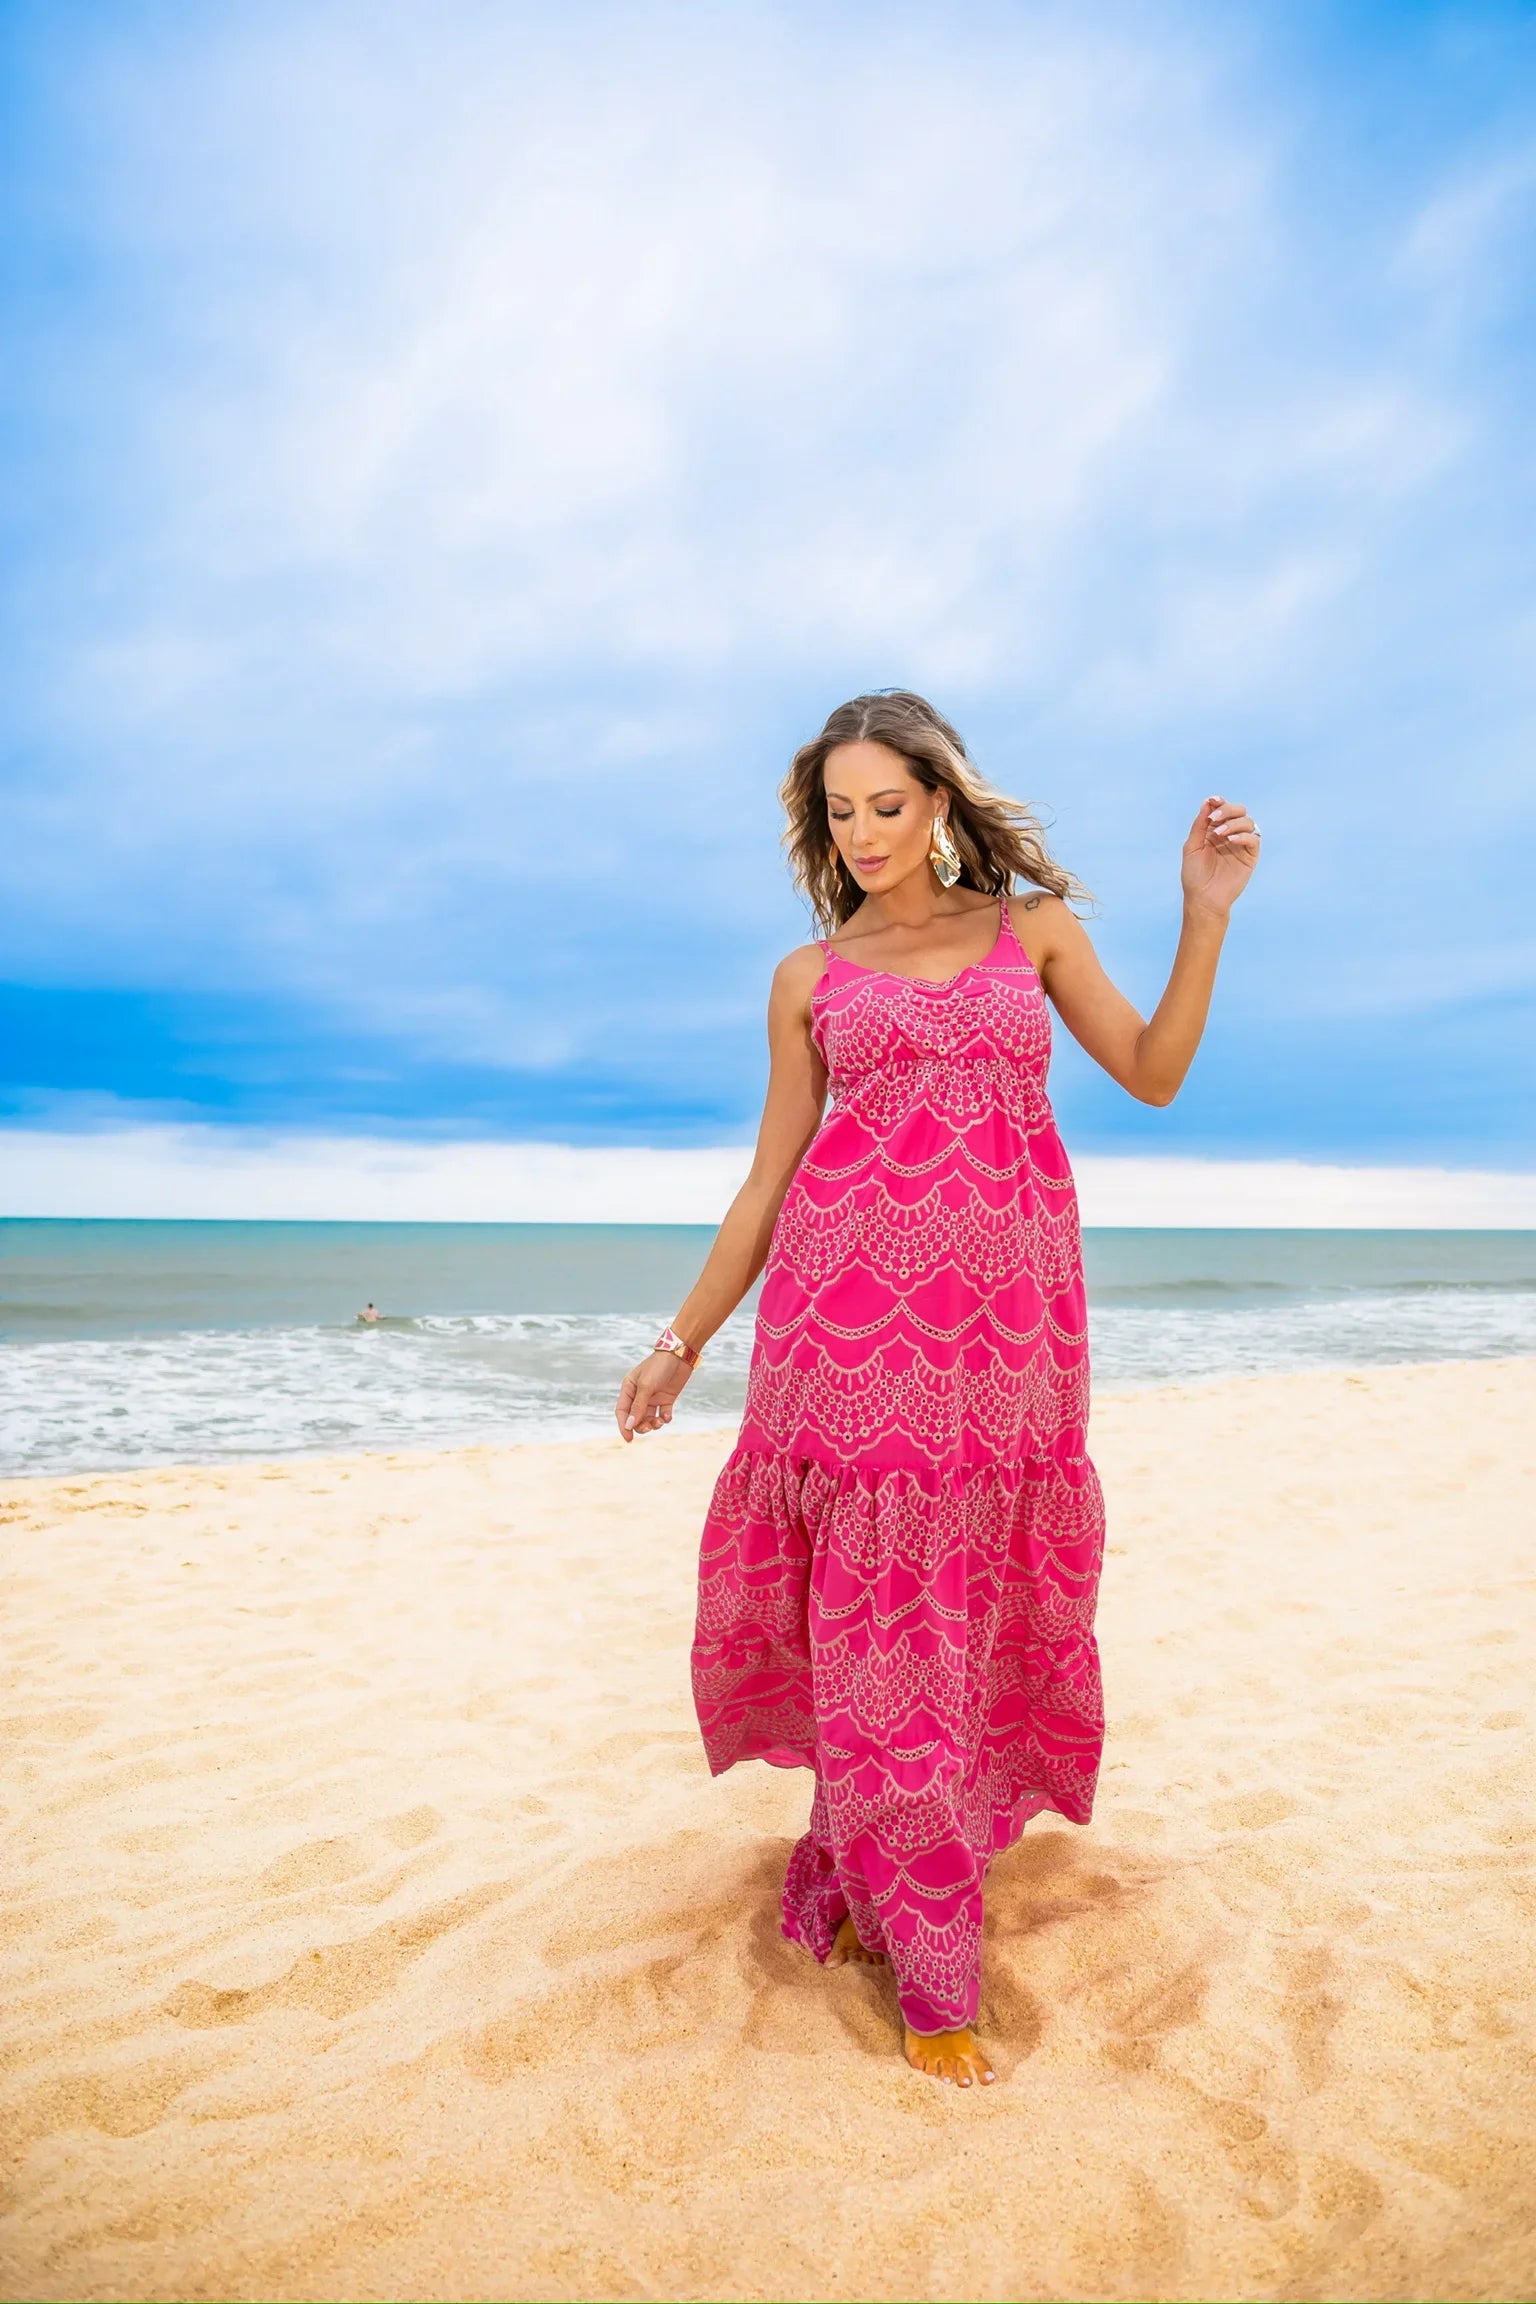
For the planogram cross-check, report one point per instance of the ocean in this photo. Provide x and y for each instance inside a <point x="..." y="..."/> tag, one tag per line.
<point x="143" y="1343"/>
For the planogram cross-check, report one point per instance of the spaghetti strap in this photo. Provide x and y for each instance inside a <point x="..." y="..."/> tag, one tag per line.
<point x="1005" y="926"/>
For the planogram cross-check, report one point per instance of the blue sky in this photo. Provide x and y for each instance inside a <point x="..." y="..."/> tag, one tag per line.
<point x="454" y="452"/>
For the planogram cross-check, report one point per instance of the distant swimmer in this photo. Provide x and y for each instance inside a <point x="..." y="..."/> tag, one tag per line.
<point x="368" y="1313"/>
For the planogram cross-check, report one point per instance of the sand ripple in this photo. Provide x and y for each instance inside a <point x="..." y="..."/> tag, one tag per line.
<point x="371" y="1929"/>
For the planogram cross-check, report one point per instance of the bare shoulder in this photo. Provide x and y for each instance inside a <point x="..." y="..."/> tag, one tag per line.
<point x="1043" y="923"/>
<point x="795" y="979"/>
<point x="802" y="967"/>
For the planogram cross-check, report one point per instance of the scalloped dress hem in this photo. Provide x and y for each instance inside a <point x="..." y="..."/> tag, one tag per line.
<point x="899" y="1568"/>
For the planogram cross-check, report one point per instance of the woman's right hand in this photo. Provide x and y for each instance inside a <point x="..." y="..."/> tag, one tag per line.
<point x="648" y="1392"/>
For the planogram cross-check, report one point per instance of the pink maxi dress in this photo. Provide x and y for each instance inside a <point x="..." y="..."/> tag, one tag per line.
<point x="899" y="1569"/>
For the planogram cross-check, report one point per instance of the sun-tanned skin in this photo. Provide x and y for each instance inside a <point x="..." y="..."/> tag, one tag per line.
<point x="944" y="2055"/>
<point x="881" y="821"/>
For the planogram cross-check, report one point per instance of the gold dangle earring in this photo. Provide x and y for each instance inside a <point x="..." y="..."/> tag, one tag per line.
<point x="943" y="855"/>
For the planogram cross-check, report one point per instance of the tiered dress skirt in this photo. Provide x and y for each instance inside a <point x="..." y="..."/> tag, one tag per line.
<point x="900" y="1565"/>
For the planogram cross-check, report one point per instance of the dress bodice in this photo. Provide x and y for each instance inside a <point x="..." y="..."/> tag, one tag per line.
<point x="979" y="1039"/>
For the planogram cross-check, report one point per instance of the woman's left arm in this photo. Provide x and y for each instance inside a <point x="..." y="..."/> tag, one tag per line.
<point x="1149" y="1058"/>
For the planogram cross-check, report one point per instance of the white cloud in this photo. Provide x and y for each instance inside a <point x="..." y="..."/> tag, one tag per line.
<point x="761" y="337"/>
<point x="201" y="1172"/>
<point x="1460" y="240"/>
<point x="474" y="402"/>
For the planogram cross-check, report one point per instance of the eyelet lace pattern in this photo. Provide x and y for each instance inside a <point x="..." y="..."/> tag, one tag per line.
<point x="899" y="1568"/>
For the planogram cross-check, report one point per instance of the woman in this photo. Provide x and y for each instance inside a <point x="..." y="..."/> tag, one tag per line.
<point x="900" y="1564"/>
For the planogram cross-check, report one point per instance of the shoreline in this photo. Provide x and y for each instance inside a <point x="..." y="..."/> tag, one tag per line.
<point x="372" y="1926"/>
<point x="1102" y="1395"/>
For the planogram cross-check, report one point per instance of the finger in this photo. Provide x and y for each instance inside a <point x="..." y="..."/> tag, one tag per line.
<point x="1238" y="820"/>
<point x="651" y="1415"/>
<point x="639" y="1403"/>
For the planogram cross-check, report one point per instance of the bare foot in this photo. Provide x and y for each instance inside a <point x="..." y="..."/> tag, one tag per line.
<point x="846" y="1946"/>
<point x="949" y="2056"/>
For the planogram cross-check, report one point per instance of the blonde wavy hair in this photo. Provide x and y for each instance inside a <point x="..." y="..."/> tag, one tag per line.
<point x="1000" y="840"/>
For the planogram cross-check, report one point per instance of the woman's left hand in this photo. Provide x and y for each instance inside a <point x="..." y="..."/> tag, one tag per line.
<point x="1219" y="856"/>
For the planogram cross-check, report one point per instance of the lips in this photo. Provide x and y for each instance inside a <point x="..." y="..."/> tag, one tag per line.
<point x="870" y="863"/>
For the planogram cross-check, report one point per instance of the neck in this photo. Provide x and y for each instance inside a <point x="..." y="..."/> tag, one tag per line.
<point x="914" y="902"/>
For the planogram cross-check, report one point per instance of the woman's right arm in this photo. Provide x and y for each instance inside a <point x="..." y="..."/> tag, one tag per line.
<point x="792" y="1110"/>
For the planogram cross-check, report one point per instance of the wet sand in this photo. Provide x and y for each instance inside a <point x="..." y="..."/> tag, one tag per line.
<point x="370" y="1927"/>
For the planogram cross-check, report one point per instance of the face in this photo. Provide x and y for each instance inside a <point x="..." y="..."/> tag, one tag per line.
<point x="881" y="818"/>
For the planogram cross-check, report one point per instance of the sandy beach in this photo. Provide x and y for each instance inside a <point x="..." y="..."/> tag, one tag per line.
<point x="371" y="1927"/>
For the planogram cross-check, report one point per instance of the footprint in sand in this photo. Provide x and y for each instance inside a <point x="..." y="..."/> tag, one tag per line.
<point x="125" y="2101"/>
<point x="154" y="1839"/>
<point x="1309" y="2011"/>
<point x="336" y="1980"/>
<point x="671" y="1950"/>
<point x="1250" y="1811"/>
<point x="412" y="1829"/>
<point x="318" y="1864"/>
<point x="63" y="1727"/>
<point x="1342" y="2202"/>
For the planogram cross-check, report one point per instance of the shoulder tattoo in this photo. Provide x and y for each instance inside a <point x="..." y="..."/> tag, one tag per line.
<point x="1030" y="903"/>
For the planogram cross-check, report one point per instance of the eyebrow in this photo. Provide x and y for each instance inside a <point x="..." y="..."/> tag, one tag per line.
<point x="886" y="792"/>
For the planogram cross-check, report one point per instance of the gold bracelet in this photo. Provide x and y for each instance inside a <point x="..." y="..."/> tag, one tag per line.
<point x="670" y="1341"/>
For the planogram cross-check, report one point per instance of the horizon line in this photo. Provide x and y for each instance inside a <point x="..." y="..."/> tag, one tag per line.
<point x="161" y="1172"/>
